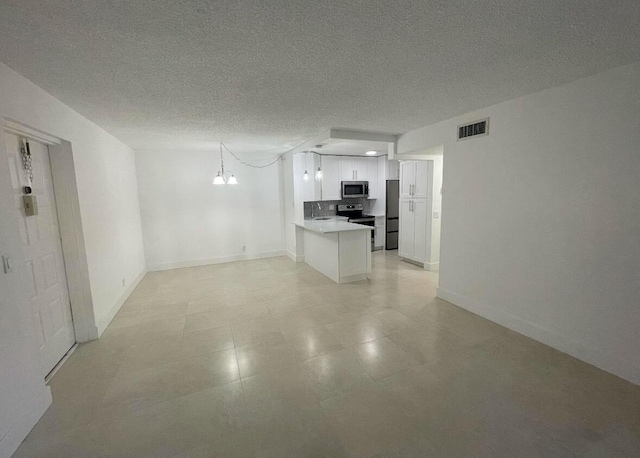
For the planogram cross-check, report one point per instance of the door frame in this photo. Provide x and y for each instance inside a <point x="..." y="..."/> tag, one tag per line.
<point x="69" y="222"/>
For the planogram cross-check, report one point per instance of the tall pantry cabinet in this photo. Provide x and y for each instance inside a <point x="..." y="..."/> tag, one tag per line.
<point x="416" y="189"/>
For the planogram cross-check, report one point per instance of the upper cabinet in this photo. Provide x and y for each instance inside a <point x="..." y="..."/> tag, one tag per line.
<point x="355" y="168"/>
<point x="331" y="178"/>
<point x="336" y="169"/>
<point x="414" y="179"/>
<point x="407" y="179"/>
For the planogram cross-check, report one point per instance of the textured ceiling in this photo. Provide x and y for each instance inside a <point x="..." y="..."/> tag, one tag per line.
<point x="265" y="75"/>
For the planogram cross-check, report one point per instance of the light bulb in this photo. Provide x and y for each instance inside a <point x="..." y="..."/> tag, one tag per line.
<point x="305" y="177"/>
<point x="319" y="174"/>
<point x="232" y="180"/>
<point x="219" y="179"/>
<point x="371" y="153"/>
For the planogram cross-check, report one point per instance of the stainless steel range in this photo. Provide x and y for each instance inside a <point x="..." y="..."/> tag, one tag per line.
<point x="355" y="215"/>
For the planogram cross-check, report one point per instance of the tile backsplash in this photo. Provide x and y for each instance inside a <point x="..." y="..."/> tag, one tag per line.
<point x="321" y="207"/>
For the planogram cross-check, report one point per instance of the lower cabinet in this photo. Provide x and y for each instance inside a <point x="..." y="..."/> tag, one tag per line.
<point x="379" y="232"/>
<point x="412" y="242"/>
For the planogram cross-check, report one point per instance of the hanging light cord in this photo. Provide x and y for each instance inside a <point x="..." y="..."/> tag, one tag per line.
<point x="222" y="145"/>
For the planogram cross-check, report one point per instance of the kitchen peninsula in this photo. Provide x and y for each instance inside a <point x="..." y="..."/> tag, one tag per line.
<point x="338" y="249"/>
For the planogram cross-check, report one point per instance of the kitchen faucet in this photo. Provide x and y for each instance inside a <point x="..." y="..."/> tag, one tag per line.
<point x="319" y="208"/>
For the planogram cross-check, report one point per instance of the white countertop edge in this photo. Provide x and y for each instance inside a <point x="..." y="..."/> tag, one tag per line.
<point x="329" y="226"/>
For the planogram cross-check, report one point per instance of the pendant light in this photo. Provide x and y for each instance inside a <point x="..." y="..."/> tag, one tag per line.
<point x="319" y="171"/>
<point x="218" y="179"/>
<point x="221" y="177"/>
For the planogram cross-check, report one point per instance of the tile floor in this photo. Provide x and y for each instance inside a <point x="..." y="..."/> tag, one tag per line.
<point x="270" y="358"/>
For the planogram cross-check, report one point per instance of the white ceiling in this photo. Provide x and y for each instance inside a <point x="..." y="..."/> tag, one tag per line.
<point x="265" y="75"/>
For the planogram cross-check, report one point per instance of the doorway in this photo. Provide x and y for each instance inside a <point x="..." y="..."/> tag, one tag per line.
<point x="47" y="286"/>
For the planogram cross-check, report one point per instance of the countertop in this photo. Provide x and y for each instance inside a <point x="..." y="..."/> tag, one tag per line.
<point x="331" y="225"/>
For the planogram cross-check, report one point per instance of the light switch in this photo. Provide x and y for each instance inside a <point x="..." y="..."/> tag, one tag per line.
<point x="436" y="215"/>
<point x="6" y="264"/>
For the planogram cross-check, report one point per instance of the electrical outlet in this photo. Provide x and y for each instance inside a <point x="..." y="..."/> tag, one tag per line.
<point x="436" y="215"/>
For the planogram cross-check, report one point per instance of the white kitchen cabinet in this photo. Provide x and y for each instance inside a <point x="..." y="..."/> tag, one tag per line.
<point x="412" y="243"/>
<point x="406" y="232"/>
<point x="414" y="179"/>
<point x="331" y="178"/>
<point x="407" y="179"/>
<point x="361" y="167"/>
<point x="415" y="203"/>
<point x="379" y="232"/>
<point x="347" y="169"/>
<point x="422" y="182"/>
<point x="419" y="210"/>
<point x="356" y="168"/>
<point x="336" y="169"/>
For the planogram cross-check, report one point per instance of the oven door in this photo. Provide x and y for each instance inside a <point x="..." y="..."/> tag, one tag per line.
<point x="355" y="189"/>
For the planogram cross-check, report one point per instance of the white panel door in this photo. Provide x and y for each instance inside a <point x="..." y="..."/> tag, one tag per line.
<point x="331" y="189"/>
<point x="407" y="179"/>
<point x="361" y="167"/>
<point x="422" y="179"/>
<point x="347" y="169"/>
<point x="46" y="277"/>
<point x="420" y="208"/>
<point x="405" y="237"/>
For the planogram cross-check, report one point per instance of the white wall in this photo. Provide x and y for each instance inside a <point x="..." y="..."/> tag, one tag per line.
<point x="293" y="206"/>
<point x="436" y="206"/>
<point x="188" y="221"/>
<point x="541" y="222"/>
<point x="108" y="198"/>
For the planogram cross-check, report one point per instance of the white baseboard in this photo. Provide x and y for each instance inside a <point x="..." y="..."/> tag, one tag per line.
<point x="219" y="260"/>
<point x="411" y="261"/>
<point x="295" y="257"/>
<point x="606" y="362"/>
<point x="97" y="330"/>
<point x="432" y="266"/>
<point x="23" y="422"/>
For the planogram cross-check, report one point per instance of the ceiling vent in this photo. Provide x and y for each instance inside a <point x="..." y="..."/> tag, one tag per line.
<point x="475" y="129"/>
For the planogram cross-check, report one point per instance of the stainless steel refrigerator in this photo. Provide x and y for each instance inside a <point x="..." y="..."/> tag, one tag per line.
<point x="393" y="214"/>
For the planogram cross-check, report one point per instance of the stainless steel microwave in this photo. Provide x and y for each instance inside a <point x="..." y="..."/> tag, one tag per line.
<point x="355" y="189"/>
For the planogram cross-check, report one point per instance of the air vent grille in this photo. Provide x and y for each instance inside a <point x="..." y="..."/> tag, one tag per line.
<point x="475" y="129"/>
